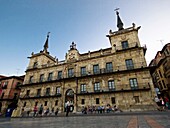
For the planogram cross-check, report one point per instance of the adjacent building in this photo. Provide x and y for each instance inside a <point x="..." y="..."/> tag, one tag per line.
<point x="9" y="92"/>
<point x="160" y="71"/>
<point x="117" y="75"/>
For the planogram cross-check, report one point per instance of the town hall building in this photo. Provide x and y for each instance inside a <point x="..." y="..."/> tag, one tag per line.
<point x="117" y="75"/>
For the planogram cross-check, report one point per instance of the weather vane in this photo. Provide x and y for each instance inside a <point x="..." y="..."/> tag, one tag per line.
<point x="116" y="9"/>
<point x="48" y="34"/>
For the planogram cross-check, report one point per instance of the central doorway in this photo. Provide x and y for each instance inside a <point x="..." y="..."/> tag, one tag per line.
<point x="69" y="96"/>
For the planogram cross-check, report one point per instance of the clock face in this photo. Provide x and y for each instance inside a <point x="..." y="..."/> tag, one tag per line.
<point x="123" y="37"/>
<point x="71" y="55"/>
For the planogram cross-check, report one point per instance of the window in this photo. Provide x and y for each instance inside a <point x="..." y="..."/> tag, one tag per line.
<point x="38" y="92"/>
<point x="27" y="93"/>
<point x="111" y="85"/>
<point x="56" y="103"/>
<point x="160" y="73"/>
<point x="31" y="79"/>
<point x="25" y="103"/>
<point x="82" y="101"/>
<point x="35" y="65"/>
<point x="96" y="86"/>
<point x="41" y="77"/>
<point x="17" y="85"/>
<point x="133" y="83"/>
<point x="45" y="104"/>
<point x="36" y="103"/>
<point x="57" y="90"/>
<point x="2" y="96"/>
<point x="113" y="100"/>
<point x="83" y="88"/>
<point x="129" y="64"/>
<point x="59" y="74"/>
<point x="83" y="71"/>
<point x="15" y="96"/>
<point x="96" y="69"/>
<point x="163" y="82"/>
<point x="50" y="76"/>
<point x="97" y="101"/>
<point x="71" y="72"/>
<point x="109" y="67"/>
<point x="47" y="91"/>
<point x="125" y="45"/>
<point x="160" y="85"/>
<point x="167" y="52"/>
<point x="4" y="86"/>
<point x="136" y="99"/>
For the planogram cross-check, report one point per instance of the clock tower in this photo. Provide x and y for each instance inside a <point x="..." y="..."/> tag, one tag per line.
<point x="73" y="53"/>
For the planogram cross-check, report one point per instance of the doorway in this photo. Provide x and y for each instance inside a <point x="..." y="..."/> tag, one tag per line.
<point x="69" y="96"/>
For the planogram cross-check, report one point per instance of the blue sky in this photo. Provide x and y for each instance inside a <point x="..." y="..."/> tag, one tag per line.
<point x="24" y="25"/>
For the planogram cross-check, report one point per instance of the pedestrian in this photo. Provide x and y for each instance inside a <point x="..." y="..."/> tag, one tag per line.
<point x="22" y="112"/>
<point x="28" y="111"/>
<point x="35" y="111"/>
<point x="103" y="109"/>
<point x="162" y="104"/>
<point x="67" y="108"/>
<point x="56" y="112"/>
<point x="166" y="102"/>
<point x="157" y="101"/>
<point x="52" y="111"/>
<point x="40" y="110"/>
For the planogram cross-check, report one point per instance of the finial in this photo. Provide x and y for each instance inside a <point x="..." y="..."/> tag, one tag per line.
<point x="117" y="11"/>
<point x="48" y="34"/>
<point x="46" y="43"/>
<point x="119" y="22"/>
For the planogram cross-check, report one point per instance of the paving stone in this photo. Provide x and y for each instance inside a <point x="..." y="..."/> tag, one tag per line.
<point x="89" y="121"/>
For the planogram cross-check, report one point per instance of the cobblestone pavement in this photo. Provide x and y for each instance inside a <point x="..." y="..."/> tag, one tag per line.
<point x="123" y="120"/>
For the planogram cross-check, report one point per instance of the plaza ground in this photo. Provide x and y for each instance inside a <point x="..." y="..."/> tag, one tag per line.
<point x="152" y="119"/>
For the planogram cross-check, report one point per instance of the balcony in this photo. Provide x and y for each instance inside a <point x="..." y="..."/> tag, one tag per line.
<point x="122" y="88"/>
<point x="37" y="96"/>
<point x="130" y="45"/>
<point x="8" y="97"/>
<point x="89" y="73"/>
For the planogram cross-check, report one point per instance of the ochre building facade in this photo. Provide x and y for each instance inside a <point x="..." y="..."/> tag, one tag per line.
<point x="9" y="92"/>
<point x="117" y="75"/>
<point x="160" y="71"/>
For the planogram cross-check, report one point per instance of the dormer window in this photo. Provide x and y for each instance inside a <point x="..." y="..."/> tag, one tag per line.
<point x="125" y="45"/>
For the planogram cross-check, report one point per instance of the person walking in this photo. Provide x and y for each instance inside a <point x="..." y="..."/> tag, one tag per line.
<point x="40" y="110"/>
<point x="56" y="112"/>
<point x="35" y="111"/>
<point x="166" y="102"/>
<point x="67" y="108"/>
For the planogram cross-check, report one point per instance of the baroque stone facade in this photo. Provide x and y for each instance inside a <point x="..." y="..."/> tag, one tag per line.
<point x="117" y="75"/>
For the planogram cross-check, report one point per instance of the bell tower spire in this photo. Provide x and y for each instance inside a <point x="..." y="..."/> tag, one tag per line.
<point x="46" y="43"/>
<point x="119" y="21"/>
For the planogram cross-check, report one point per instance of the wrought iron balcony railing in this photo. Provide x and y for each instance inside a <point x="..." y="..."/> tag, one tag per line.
<point x="35" y="96"/>
<point x="65" y="75"/>
<point x="117" y="88"/>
